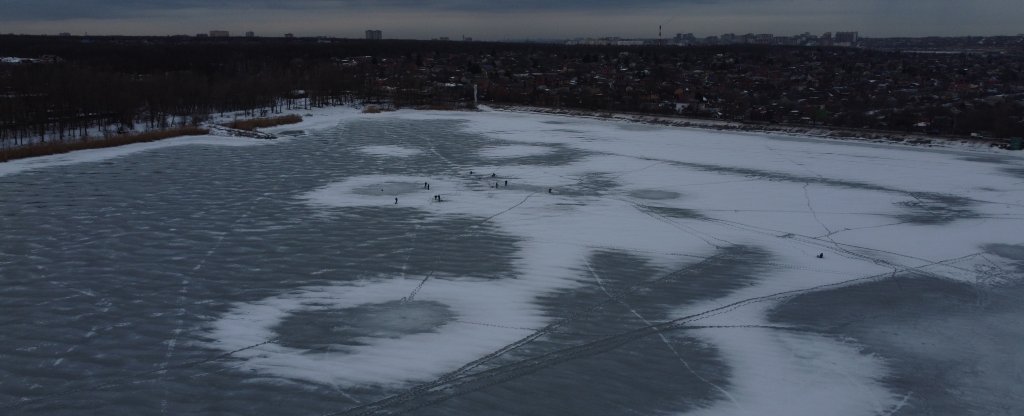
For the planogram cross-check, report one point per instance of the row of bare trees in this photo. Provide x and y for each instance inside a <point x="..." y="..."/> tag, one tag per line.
<point x="108" y="86"/>
<point x="116" y="86"/>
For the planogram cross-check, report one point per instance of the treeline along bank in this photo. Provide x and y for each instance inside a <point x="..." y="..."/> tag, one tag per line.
<point x="69" y="88"/>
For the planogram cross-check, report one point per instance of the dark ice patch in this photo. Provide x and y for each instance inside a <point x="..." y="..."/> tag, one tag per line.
<point x="654" y="194"/>
<point x="105" y="265"/>
<point x="673" y="212"/>
<point x="590" y="184"/>
<point x="996" y="159"/>
<point x="1018" y="171"/>
<point x="334" y="329"/>
<point x="568" y="131"/>
<point x="641" y="375"/>
<point x="1014" y="252"/>
<point x="411" y="242"/>
<point x="951" y="348"/>
<point x="932" y="208"/>
<point x="1009" y="251"/>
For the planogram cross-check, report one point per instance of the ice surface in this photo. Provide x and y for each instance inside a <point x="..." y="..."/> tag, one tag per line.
<point x="513" y="151"/>
<point x="494" y="263"/>
<point x="944" y="341"/>
<point x="95" y="155"/>
<point x="394" y="151"/>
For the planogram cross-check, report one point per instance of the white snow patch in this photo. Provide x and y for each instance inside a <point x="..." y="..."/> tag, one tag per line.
<point x="512" y="151"/>
<point x="390" y="151"/>
<point x="381" y="361"/>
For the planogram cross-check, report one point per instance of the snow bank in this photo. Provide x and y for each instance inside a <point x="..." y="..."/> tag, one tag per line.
<point x="96" y="155"/>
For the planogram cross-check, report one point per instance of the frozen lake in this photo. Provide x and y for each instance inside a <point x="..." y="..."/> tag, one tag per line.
<point x="554" y="266"/>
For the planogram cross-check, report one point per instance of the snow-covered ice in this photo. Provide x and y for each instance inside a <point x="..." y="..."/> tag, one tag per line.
<point x="470" y="263"/>
<point x="513" y="151"/>
<point x="394" y="151"/>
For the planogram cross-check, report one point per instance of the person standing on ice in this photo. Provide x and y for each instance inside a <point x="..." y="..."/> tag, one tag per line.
<point x="396" y="201"/>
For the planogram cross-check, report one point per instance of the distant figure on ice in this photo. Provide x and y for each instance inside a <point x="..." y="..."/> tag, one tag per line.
<point x="495" y="185"/>
<point x="549" y="190"/>
<point x="439" y="198"/>
<point x="396" y="201"/>
<point x="426" y="185"/>
<point x="821" y="255"/>
<point x="470" y="172"/>
<point x="506" y="184"/>
<point x="493" y="175"/>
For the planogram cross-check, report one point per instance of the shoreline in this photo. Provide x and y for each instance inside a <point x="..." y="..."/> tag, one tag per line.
<point x="61" y="147"/>
<point x="237" y="128"/>
<point x="320" y="117"/>
<point x="913" y="140"/>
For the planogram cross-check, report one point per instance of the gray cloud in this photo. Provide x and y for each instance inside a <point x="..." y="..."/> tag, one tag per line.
<point x="65" y="9"/>
<point x="501" y="19"/>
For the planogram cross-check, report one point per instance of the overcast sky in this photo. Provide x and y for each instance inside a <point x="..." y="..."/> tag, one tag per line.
<point x="513" y="19"/>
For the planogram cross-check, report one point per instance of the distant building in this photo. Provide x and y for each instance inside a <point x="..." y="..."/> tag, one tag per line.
<point x="289" y="35"/>
<point x="763" y="38"/>
<point x="219" y="34"/>
<point x="826" y="39"/>
<point x="250" y="34"/>
<point x="373" y="35"/>
<point x="684" y="39"/>
<point x="846" y="38"/>
<point x="629" y="42"/>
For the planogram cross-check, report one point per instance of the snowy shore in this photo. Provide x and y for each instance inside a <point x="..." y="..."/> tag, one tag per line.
<point x="868" y="136"/>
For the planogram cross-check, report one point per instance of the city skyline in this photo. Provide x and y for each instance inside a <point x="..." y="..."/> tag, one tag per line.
<point x="503" y="20"/>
